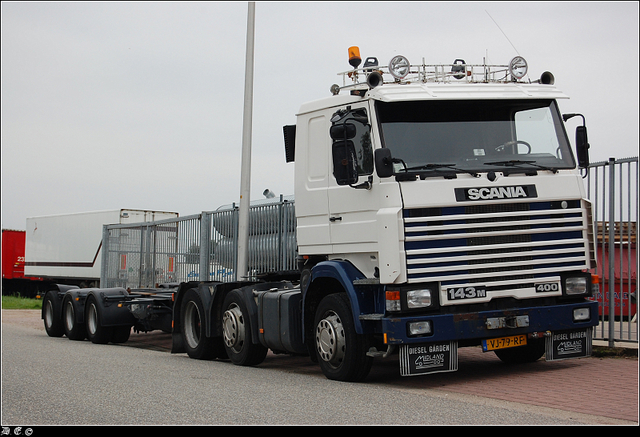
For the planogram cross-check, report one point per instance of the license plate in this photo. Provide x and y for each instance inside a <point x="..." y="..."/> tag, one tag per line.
<point x="493" y="344"/>
<point x="422" y="359"/>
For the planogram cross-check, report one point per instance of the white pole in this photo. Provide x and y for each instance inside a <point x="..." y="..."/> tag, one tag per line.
<point x="245" y="173"/>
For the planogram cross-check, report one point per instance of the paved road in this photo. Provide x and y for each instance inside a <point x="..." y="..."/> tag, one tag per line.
<point x="57" y="381"/>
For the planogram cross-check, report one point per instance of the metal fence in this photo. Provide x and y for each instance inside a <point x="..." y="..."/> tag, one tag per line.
<point x="612" y="187"/>
<point x="204" y="246"/>
<point x="199" y="247"/>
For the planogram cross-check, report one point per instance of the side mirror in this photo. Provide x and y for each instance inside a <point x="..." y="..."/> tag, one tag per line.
<point x="582" y="146"/>
<point x="384" y="163"/>
<point x="342" y="131"/>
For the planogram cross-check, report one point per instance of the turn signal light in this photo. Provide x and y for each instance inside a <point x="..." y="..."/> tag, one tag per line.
<point x="393" y="301"/>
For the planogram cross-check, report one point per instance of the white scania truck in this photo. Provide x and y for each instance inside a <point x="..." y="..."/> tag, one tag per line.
<point x="437" y="207"/>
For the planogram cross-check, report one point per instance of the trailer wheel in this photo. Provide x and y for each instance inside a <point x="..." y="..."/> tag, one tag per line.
<point x="120" y="334"/>
<point x="52" y="315"/>
<point x="523" y="354"/>
<point x="197" y="344"/>
<point x="72" y="329"/>
<point x="236" y="333"/>
<point x="341" y="351"/>
<point x="97" y="333"/>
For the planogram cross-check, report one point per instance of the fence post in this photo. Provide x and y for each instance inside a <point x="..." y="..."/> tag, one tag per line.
<point x="611" y="256"/>
<point x="205" y="241"/>
<point x="105" y="257"/>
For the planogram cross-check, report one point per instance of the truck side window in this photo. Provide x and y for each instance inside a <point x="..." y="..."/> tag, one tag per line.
<point x="363" y="149"/>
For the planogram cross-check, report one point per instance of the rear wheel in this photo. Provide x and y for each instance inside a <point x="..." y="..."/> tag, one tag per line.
<point x="341" y="351"/>
<point x="97" y="333"/>
<point x="197" y="344"/>
<point x="52" y="315"/>
<point x="121" y="334"/>
<point x="236" y="330"/>
<point x="72" y="329"/>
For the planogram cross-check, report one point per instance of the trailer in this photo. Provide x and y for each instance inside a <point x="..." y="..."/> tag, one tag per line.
<point x="66" y="248"/>
<point x="436" y="207"/>
<point x="13" y="280"/>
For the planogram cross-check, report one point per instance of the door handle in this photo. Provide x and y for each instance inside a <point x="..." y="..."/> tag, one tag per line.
<point x="335" y="219"/>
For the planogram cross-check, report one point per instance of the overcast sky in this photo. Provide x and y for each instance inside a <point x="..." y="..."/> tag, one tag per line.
<point x="139" y="105"/>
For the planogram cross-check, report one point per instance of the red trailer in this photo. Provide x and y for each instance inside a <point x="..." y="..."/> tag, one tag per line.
<point x="13" y="280"/>
<point x="12" y="254"/>
<point x="624" y="270"/>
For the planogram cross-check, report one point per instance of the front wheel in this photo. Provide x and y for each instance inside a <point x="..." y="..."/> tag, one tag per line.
<point x="341" y="351"/>
<point x="523" y="354"/>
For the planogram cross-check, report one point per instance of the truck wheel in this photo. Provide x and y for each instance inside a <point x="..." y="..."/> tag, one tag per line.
<point x="97" y="333"/>
<point x="72" y="329"/>
<point x="52" y="315"/>
<point x="120" y="334"/>
<point x="236" y="333"/>
<point x="341" y="351"/>
<point x="523" y="354"/>
<point x="197" y="344"/>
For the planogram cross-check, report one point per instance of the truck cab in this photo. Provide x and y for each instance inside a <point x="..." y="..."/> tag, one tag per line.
<point x="446" y="202"/>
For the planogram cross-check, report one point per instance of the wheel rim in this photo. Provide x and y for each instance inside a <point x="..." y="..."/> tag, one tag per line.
<point x="192" y="325"/>
<point x="233" y="328"/>
<point x="48" y="314"/>
<point x="92" y="319"/>
<point x="330" y="342"/>
<point x="69" y="316"/>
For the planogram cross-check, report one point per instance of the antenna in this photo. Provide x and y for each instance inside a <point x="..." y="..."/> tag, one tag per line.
<point x="505" y="35"/>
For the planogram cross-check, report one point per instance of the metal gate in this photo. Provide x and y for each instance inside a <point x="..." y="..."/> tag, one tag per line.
<point x="198" y="247"/>
<point x="612" y="187"/>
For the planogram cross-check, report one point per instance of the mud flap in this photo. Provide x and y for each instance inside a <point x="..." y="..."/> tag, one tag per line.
<point x="563" y="345"/>
<point x="421" y="359"/>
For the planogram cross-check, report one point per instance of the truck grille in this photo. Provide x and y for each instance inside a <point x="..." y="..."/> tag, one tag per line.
<point x="501" y="246"/>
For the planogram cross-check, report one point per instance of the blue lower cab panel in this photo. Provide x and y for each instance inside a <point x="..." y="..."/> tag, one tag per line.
<point x="469" y="326"/>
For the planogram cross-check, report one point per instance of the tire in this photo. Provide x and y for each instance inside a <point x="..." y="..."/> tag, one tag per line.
<point x="341" y="351"/>
<point x="523" y="354"/>
<point x="97" y="333"/>
<point x="72" y="329"/>
<point x="193" y="329"/>
<point x="120" y="334"/>
<point x="52" y="315"/>
<point x="236" y="332"/>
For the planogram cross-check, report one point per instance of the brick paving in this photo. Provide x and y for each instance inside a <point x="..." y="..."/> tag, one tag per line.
<point x="606" y="387"/>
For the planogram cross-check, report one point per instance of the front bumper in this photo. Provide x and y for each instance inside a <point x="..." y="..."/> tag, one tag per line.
<point x="475" y="325"/>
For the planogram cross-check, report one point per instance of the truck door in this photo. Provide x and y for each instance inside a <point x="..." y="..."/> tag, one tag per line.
<point x="352" y="203"/>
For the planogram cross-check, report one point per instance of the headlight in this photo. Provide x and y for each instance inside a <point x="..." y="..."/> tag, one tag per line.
<point x="418" y="298"/>
<point x="576" y="285"/>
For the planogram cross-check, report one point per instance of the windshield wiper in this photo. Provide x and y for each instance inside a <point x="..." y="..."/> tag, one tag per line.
<point x="438" y="166"/>
<point x="517" y="162"/>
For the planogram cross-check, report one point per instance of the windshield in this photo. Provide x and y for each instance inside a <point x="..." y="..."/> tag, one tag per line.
<point x="474" y="135"/>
